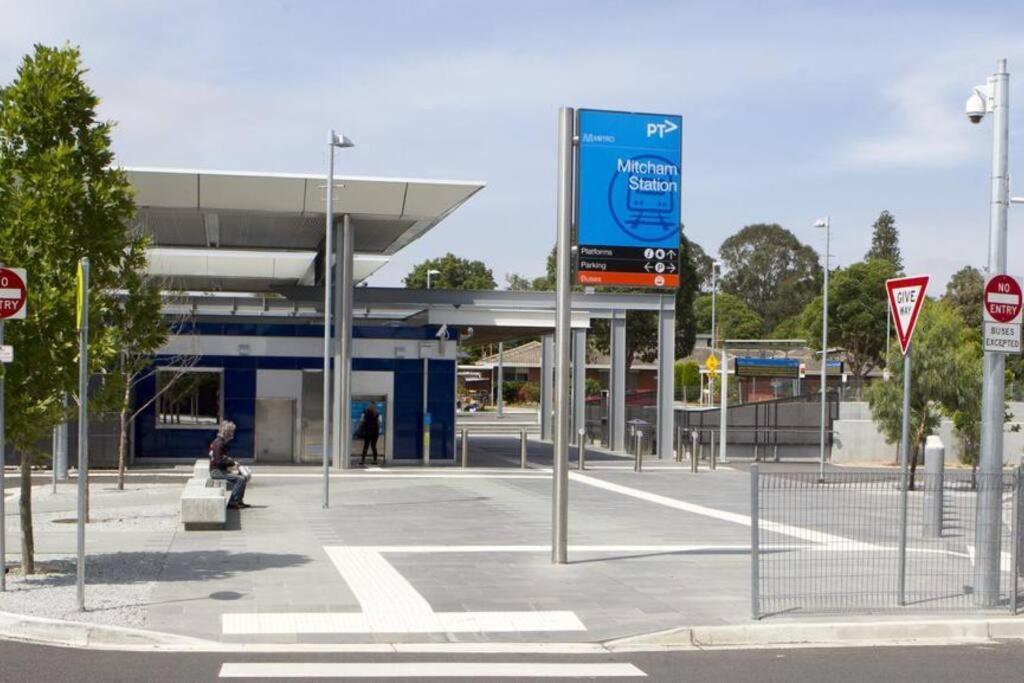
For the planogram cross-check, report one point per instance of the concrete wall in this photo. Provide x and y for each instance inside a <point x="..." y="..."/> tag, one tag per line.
<point x="858" y="439"/>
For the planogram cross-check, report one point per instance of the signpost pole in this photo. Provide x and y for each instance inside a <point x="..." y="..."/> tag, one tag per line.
<point x="986" y="579"/>
<point x="83" y="422"/>
<point x="3" y="464"/>
<point x="563" y="309"/>
<point x="328" y="269"/>
<point x="904" y="479"/>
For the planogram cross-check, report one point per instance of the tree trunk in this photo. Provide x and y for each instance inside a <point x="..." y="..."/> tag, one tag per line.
<point x="122" y="435"/>
<point x="28" y="545"/>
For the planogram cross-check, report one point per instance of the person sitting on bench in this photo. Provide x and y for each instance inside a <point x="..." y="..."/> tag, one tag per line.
<point x="221" y="465"/>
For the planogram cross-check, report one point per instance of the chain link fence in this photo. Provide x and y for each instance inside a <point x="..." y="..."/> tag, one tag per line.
<point x="834" y="545"/>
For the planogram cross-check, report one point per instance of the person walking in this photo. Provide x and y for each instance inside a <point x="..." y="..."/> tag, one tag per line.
<point x="369" y="429"/>
<point x="221" y="464"/>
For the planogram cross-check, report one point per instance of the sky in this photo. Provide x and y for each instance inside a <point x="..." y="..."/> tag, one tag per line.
<point x="792" y="110"/>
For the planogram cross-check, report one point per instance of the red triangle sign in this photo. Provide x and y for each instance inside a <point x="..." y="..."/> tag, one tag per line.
<point x="906" y="295"/>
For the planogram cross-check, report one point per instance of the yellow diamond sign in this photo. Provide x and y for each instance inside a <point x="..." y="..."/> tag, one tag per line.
<point x="711" y="363"/>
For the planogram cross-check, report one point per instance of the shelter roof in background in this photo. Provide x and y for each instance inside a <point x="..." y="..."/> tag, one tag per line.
<point x="249" y="232"/>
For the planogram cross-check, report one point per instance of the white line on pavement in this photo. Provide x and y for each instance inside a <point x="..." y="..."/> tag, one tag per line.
<point x="390" y="604"/>
<point x="385" y="474"/>
<point x="523" y="670"/>
<point x="735" y="518"/>
<point x="572" y="548"/>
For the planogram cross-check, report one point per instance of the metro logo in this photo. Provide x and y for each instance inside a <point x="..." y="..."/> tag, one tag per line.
<point x="661" y="129"/>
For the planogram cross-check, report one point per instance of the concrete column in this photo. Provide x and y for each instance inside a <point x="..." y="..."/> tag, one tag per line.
<point x="547" y="379"/>
<point x="579" y="382"/>
<point x="666" y="375"/>
<point x="617" y="381"/>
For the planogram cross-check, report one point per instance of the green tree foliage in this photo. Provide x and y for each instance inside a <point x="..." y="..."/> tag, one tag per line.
<point x="885" y="242"/>
<point x="857" y="312"/>
<point x="790" y="328"/>
<point x="591" y="387"/>
<point x="735" y="320"/>
<point x="771" y="270"/>
<point x="60" y="200"/>
<point x="687" y="374"/>
<point x="702" y="264"/>
<point x="946" y="380"/>
<point x="965" y="292"/>
<point x="456" y="273"/>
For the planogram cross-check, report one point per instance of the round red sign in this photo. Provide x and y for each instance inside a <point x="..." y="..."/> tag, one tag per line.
<point x="12" y="293"/>
<point x="1003" y="298"/>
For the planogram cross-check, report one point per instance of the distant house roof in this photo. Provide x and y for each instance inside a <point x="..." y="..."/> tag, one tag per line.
<point x="528" y="356"/>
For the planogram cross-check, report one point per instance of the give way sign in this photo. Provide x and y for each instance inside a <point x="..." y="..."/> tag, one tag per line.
<point x="906" y="295"/>
<point x="13" y="293"/>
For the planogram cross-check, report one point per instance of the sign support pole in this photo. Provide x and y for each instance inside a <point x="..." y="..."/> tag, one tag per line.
<point x="904" y="476"/>
<point x="328" y="268"/>
<point x="986" y="579"/>
<point x="83" y="424"/>
<point x="563" y="310"/>
<point x="3" y="464"/>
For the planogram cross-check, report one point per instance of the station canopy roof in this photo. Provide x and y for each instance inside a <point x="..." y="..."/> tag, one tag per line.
<point x="234" y="231"/>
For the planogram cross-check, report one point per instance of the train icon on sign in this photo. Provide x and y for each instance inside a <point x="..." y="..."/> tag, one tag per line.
<point x="643" y="196"/>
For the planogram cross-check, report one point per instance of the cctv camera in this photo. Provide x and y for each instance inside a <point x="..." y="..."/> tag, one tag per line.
<point x="975" y="107"/>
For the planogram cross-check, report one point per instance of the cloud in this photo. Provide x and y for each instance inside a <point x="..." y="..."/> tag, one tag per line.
<point x="926" y="106"/>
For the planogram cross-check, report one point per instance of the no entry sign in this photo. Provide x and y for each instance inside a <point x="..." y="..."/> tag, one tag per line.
<point x="1003" y="299"/>
<point x="13" y="293"/>
<point x="906" y="295"/>
<point x="1002" y="310"/>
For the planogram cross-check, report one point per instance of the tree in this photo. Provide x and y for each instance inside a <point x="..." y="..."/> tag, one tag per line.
<point x="733" y="317"/>
<point x="771" y="270"/>
<point x="790" y="328"/>
<point x="703" y="264"/>
<point x="965" y="292"/>
<point x="61" y="199"/>
<point x="885" y="242"/>
<point x="687" y="377"/>
<point x="946" y="380"/>
<point x="456" y="273"/>
<point x="857" y="312"/>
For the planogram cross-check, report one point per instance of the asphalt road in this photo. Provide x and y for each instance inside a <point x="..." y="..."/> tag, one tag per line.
<point x="976" y="663"/>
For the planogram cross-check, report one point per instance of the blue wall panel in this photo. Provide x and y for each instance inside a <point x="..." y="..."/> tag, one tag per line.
<point x="240" y="394"/>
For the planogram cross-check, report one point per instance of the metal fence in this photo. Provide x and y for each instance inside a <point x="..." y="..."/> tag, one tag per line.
<point x="788" y="428"/>
<point x="833" y="545"/>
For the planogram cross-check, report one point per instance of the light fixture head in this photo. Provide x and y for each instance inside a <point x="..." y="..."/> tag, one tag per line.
<point x="821" y="223"/>
<point x="339" y="140"/>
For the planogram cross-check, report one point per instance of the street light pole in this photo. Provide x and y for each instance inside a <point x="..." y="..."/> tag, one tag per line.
<point x="333" y="140"/>
<point x="994" y="98"/>
<point x="430" y="273"/>
<point x="827" y="224"/>
<point x="714" y="295"/>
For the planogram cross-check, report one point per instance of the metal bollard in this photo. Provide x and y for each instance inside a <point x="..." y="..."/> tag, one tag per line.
<point x="695" y="438"/>
<point x="934" y="457"/>
<point x="522" y="448"/>
<point x="580" y="448"/>
<point x="638" y="461"/>
<point x="465" y="447"/>
<point x="679" y="444"/>
<point x="713" y="456"/>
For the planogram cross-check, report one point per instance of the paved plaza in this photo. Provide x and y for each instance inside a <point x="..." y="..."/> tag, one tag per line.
<point x="412" y="554"/>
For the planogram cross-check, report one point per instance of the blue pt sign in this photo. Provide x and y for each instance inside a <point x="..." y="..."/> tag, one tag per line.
<point x="628" y="193"/>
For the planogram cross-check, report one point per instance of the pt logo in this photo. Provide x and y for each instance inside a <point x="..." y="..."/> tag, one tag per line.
<point x="660" y="129"/>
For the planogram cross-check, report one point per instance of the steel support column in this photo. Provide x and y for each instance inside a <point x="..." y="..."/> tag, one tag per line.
<point x="579" y="382"/>
<point x="547" y="380"/>
<point x="617" y="382"/>
<point x="666" y="375"/>
<point x="341" y="441"/>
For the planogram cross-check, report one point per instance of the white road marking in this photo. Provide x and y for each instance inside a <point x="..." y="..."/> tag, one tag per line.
<point x="725" y="516"/>
<point x="572" y="548"/>
<point x="523" y="670"/>
<point x="390" y="604"/>
<point x="391" y="474"/>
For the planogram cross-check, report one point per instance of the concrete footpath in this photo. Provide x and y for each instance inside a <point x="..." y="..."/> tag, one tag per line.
<point x="440" y="558"/>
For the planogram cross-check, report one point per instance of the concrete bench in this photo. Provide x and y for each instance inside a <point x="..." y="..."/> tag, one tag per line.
<point x="204" y="501"/>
